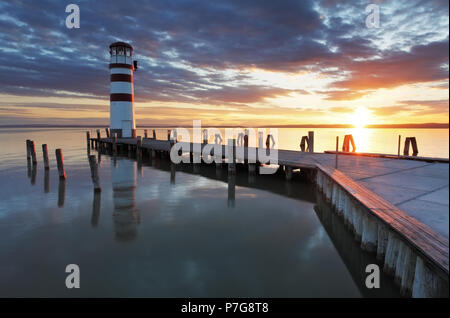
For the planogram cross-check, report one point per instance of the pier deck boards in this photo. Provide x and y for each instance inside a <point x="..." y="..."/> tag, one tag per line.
<point x="410" y="195"/>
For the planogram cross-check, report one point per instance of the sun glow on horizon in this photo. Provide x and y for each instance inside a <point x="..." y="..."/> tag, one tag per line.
<point x="360" y="117"/>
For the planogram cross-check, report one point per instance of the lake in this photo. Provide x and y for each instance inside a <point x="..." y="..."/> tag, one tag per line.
<point x="158" y="230"/>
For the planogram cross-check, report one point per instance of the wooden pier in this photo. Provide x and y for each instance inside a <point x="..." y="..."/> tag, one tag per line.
<point x="397" y="206"/>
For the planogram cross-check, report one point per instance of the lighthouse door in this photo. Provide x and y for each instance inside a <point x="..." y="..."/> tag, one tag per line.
<point x="126" y="128"/>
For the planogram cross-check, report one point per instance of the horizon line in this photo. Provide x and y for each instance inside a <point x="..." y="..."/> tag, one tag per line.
<point x="374" y="126"/>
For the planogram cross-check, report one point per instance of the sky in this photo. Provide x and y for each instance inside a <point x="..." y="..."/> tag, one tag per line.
<point x="228" y="62"/>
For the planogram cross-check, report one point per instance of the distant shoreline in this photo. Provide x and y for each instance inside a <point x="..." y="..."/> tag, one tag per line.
<point x="398" y="126"/>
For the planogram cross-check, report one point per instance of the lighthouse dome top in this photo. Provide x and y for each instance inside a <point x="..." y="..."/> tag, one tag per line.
<point x="115" y="44"/>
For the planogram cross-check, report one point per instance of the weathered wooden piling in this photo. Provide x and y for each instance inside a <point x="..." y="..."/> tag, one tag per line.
<point x="60" y="163"/>
<point x="98" y="135"/>
<point x="94" y="173"/>
<point x="88" y="139"/>
<point x="399" y="145"/>
<point x="33" y="152"/>
<point x="28" y="149"/>
<point x="311" y="141"/>
<point x="45" y="155"/>
<point x="107" y="132"/>
<point x="154" y="134"/>
<point x="413" y="142"/>
<point x="168" y="134"/>
<point x="348" y="141"/>
<point x="145" y="134"/>
<point x="303" y="143"/>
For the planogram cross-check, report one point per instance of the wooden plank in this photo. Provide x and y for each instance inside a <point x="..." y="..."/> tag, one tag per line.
<point x="389" y="156"/>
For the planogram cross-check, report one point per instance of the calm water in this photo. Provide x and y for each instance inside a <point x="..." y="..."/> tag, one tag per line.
<point x="158" y="230"/>
<point x="431" y="142"/>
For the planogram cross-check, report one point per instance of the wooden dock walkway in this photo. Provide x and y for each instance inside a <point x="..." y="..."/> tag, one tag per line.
<point x="407" y="198"/>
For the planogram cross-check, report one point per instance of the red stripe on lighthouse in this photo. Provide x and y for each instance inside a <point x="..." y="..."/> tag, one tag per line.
<point x="121" y="97"/>
<point x="121" y="78"/>
<point x="121" y="65"/>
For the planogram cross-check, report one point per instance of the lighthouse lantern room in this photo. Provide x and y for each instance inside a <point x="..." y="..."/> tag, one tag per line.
<point x="121" y="110"/>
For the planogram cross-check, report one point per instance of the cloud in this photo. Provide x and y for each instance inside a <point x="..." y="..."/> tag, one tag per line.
<point x="188" y="49"/>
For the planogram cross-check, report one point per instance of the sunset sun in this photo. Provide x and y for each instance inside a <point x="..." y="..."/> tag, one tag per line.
<point x="360" y="117"/>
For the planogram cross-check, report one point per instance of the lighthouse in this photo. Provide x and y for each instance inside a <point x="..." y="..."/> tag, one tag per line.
<point x="121" y="109"/>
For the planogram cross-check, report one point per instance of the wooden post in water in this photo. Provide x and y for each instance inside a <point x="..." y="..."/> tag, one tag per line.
<point x="414" y="146"/>
<point x="311" y="141"/>
<point x="145" y="134"/>
<point x="60" y="163"/>
<point x="88" y="139"/>
<point x="33" y="152"/>
<point x="94" y="173"/>
<point x="303" y="143"/>
<point x="28" y="149"/>
<point x="98" y="134"/>
<point x="107" y="132"/>
<point x="168" y="134"/>
<point x="246" y="138"/>
<point x="406" y="148"/>
<point x="45" y="154"/>
<point x="154" y="134"/>
<point x="337" y="150"/>
<point x="399" y="143"/>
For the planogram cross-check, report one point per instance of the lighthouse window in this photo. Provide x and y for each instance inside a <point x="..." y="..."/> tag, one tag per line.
<point x="120" y="50"/>
<point x="113" y="51"/>
<point x="128" y="52"/>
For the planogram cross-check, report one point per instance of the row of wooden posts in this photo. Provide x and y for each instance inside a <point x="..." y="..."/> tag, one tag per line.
<point x="31" y="156"/>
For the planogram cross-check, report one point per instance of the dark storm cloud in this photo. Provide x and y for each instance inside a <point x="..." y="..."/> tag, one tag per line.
<point x="175" y="39"/>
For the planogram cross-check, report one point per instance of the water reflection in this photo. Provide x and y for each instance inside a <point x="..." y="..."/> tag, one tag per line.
<point x="33" y="175"/>
<point x="350" y="251"/>
<point x="47" y="181"/>
<point x="231" y="190"/>
<point x="61" y="192"/>
<point x="96" y="209"/>
<point x="172" y="173"/>
<point x="125" y="214"/>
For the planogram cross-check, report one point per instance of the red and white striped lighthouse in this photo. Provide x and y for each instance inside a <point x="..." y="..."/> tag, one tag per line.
<point x="121" y="110"/>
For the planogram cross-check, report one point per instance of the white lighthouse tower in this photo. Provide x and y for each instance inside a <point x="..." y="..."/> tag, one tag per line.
<point x="122" y="91"/>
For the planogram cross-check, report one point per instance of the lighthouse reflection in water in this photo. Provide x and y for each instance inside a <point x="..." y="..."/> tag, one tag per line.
<point x="126" y="217"/>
